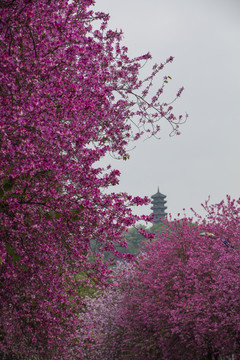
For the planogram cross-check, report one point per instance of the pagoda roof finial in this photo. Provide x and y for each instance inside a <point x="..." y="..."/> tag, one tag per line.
<point x="158" y="189"/>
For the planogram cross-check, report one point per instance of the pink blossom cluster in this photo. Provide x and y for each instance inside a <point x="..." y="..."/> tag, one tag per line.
<point x="102" y="333"/>
<point x="181" y="298"/>
<point x="69" y="94"/>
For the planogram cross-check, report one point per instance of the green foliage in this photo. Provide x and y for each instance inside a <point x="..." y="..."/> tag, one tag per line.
<point x="157" y="228"/>
<point x="13" y="253"/>
<point x="86" y="284"/>
<point x="135" y="240"/>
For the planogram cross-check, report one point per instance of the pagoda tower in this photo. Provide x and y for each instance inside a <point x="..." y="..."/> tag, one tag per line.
<point x="158" y="207"/>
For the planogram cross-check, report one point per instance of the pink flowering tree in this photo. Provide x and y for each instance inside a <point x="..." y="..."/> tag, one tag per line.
<point x="69" y="95"/>
<point x="178" y="300"/>
<point x="102" y="332"/>
<point x="183" y="301"/>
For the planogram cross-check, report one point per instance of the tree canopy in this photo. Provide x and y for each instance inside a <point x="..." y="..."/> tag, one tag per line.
<point x="180" y="298"/>
<point x="69" y="94"/>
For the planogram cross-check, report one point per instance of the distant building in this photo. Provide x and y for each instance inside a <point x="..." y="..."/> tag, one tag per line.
<point x="158" y="207"/>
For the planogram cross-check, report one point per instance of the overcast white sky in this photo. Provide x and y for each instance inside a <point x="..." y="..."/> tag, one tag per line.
<point x="204" y="38"/>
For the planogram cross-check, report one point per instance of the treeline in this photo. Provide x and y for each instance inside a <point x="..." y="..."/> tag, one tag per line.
<point x="136" y="241"/>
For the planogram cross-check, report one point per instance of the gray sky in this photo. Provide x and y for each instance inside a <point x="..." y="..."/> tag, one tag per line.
<point x="204" y="38"/>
